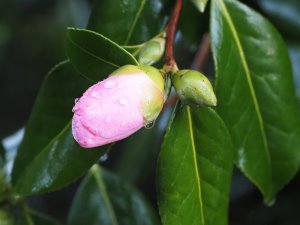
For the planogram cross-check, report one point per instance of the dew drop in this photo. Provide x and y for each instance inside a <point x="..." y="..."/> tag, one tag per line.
<point x="76" y="100"/>
<point x="110" y="84"/>
<point x="104" y="157"/>
<point x="94" y="94"/>
<point x="149" y="125"/>
<point x="123" y="101"/>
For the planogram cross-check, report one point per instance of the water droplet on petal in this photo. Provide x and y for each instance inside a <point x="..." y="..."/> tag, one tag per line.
<point x="110" y="84"/>
<point x="94" y="94"/>
<point x="76" y="100"/>
<point x="149" y="125"/>
<point x="123" y="101"/>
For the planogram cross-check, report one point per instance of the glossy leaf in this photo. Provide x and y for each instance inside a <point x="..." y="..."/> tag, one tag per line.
<point x="197" y="24"/>
<point x="94" y="55"/>
<point x="256" y="96"/>
<point x="194" y="169"/>
<point x="285" y="14"/>
<point x="127" y="22"/>
<point x="200" y="4"/>
<point x="48" y="157"/>
<point x="137" y="160"/>
<point x="106" y="199"/>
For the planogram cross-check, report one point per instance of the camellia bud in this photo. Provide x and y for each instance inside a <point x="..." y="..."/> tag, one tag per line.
<point x="152" y="51"/>
<point x="193" y="88"/>
<point x="130" y="98"/>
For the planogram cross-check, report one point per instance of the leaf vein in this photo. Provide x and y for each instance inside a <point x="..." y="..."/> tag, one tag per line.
<point x="191" y="132"/>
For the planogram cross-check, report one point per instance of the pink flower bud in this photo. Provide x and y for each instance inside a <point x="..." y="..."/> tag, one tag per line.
<point x="118" y="106"/>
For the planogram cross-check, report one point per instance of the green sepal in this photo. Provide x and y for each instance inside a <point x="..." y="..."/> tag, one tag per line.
<point x="193" y="88"/>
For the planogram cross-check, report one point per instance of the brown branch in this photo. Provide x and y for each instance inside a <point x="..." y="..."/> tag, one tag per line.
<point x="171" y="31"/>
<point x="202" y="53"/>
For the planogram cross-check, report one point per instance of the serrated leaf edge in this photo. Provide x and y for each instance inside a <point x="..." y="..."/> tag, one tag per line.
<point x="71" y="29"/>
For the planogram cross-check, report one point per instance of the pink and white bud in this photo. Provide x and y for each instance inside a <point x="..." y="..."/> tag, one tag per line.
<point x="118" y="106"/>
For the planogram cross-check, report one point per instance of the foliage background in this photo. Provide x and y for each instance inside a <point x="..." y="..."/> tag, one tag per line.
<point x="32" y="34"/>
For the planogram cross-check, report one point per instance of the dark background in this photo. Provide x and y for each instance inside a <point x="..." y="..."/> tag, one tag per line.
<point x="32" y="36"/>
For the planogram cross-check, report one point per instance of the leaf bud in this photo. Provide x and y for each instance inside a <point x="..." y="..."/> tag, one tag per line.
<point x="152" y="51"/>
<point x="193" y="88"/>
<point x="112" y="109"/>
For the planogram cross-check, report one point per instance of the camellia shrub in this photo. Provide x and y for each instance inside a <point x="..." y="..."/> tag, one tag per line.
<point x="123" y="74"/>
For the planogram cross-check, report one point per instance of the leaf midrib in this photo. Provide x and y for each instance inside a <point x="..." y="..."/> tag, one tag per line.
<point x="136" y="18"/>
<point x="227" y="16"/>
<point x="128" y="54"/>
<point x="191" y="133"/>
<point x="96" y="172"/>
<point x="91" y="54"/>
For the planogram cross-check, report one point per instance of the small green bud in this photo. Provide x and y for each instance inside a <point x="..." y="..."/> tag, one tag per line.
<point x="152" y="51"/>
<point x="193" y="88"/>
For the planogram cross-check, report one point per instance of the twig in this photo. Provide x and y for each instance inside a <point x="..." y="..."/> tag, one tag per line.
<point x="170" y="62"/>
<point x="198" y="63"/>
<point x="202" y="53"/>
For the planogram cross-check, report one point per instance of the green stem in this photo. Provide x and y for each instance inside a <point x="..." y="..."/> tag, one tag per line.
<point x="27" y="214"/>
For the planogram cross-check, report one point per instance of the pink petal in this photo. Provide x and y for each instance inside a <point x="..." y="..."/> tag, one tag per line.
<point x="110" y="110"/>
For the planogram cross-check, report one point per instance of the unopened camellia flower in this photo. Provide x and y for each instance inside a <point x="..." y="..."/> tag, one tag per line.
<point x="193" y="88"/>
<point x="130" y="98"/>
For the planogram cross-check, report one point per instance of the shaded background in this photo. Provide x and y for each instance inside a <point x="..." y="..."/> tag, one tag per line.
<point x="32" y="36"/>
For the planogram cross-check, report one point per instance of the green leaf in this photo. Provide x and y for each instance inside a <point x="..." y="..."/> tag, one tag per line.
<point x="200" y="4"/>
<point x="94" y="55"/>
<point x="48" y="157"/>
<point x="107" y="200"/>
<point x="285" y="14"/>
<point x="194" y="169"/>
<point x="127" y="22"/>
<point x="256" y="97"/>
<point x="137" y="160"/>
<point x="197" y="23"/>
